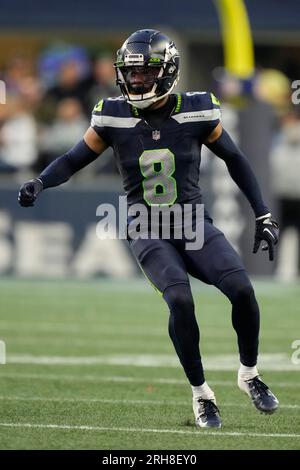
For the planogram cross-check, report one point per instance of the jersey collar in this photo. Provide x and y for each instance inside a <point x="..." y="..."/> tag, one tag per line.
<point x="176" y="109"/>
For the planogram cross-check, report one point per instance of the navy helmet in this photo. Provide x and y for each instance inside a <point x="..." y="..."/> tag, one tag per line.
<point x="147" y="67"/>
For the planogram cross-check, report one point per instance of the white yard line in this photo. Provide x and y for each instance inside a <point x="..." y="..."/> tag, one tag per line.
<point x="104" y="343"/>
<point x="89" y="327"/>
<point x="95" y="378"/>
<point x="145" y="430"/>
<point x="124" y="379"/>
<point x="126" y="402"/>
<point x="227" y="362"/>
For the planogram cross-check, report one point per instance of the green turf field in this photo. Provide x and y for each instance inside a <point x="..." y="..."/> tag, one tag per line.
<point x="91" y="366"/>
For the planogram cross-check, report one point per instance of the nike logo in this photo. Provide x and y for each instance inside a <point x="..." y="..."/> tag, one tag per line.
<point x="267" y="230"/>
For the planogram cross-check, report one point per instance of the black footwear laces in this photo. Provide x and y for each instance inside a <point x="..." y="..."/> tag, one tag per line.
<point x="258" y="385"/>
<point x="208" y="408"/>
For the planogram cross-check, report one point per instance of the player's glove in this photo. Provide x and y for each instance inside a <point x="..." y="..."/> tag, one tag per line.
<point x="267" y="230"/>
<point x="29" y="192"/>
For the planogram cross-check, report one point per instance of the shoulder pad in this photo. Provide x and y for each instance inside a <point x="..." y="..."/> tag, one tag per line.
<point x="110" y="106"/>
<point x="198" y="106"/>
<point x="202" y="100"/>
<point x="113" y="112"/>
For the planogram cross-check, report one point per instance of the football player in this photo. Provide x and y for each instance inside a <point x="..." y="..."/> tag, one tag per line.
<point x="156" y="136"/>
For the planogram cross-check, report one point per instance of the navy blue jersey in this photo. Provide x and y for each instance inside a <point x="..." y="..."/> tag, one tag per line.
<point x="159" y="166"/>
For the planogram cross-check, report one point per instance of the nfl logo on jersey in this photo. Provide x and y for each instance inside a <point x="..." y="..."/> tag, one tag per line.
<point x="156" y="135"/>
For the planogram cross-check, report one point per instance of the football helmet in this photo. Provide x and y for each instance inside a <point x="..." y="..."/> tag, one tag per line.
<point x="147" y="67"/>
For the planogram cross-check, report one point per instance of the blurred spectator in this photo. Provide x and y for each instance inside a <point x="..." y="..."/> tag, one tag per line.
<point x="31" y="92"/>
<point x="22" y="82"/>
<point x="285" y="172"/>
<point x="55" y="56"/>
<point x="272" y="86"/>
<point x="18" y="136"/>
<point x="286" y="158"/>
<point x="66" y="130"/>
<point x="70" y="85"/>
<point x="104" y="84"/>
<point x="16" y="71"/>
<point x="58" y="101"/>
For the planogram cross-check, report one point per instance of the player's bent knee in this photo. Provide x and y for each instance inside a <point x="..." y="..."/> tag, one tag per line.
<point x="244" y="293"/>
<point x="179" y="298"/>
<point x="237" y="287"/>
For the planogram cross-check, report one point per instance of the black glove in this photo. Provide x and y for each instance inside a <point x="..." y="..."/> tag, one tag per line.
<point x="29" y="192"/>
<point x="267" y="230"/>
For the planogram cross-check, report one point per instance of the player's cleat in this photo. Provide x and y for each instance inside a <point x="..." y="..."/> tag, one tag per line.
<point x="207" y="414"/>
<point x="262" y="397"/>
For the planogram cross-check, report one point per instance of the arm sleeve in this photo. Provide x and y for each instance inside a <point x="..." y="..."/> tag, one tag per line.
<point x="240" y="171"/>
<point x="61" y="169"/>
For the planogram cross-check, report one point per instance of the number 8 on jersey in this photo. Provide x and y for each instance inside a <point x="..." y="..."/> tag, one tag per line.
<point x="157" y="166"/>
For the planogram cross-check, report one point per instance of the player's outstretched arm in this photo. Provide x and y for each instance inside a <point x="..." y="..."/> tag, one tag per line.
<point x="61" y="169"/>
<point x="221" y="144"/>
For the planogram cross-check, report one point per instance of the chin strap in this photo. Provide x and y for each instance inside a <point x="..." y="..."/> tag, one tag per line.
<point x="141" y="104"/>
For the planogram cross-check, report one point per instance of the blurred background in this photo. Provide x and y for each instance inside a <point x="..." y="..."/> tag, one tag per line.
<point x="56" y="62"/>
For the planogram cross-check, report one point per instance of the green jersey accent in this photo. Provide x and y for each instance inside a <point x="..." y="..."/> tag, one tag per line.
<point x="178" y="104"/>
<point x="214" y="100"/>
<point x="98" y="106"/>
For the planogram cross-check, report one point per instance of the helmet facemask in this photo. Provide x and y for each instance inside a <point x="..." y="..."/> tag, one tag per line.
<point x="141" y="80"/>
<point x="139" y="84"/>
